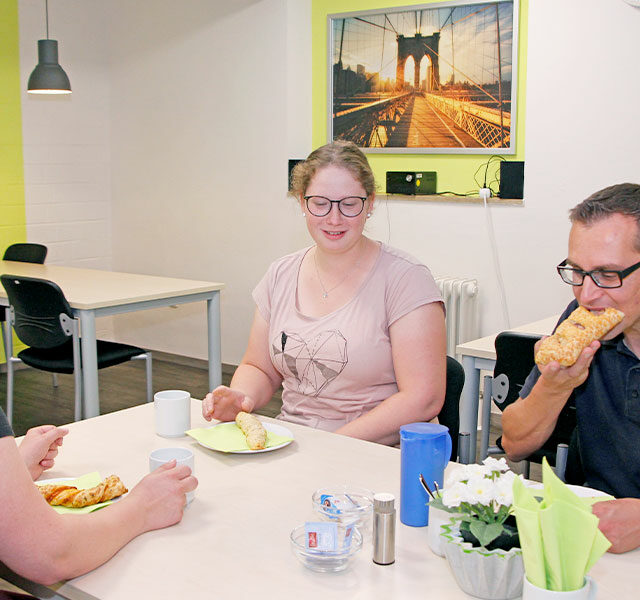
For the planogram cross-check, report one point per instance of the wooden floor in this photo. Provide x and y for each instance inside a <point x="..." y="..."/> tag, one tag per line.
<point x="36" y="401"/>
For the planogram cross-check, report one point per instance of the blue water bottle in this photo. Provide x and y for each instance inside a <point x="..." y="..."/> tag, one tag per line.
<point x="424" y="448"/>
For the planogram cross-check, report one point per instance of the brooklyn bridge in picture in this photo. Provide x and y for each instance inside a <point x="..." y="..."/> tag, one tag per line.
<point x="434" y="79"/>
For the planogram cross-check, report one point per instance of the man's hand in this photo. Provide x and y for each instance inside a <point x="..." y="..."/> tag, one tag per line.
<point x="39" y="448"/>
<point x="566" y="379"/>
<point x="224" y="404"/>
<point x="620" y="523"/>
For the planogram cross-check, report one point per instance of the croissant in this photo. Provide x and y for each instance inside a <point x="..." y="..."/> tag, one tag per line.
<point x="252" y="429"/>
<point x="72" y="497"/>
<point x="575" y="333"/>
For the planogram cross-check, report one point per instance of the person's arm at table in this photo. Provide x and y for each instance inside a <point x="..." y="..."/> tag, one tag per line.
<point x="253" y="383"/>
<point x="39" y="448"/>
<point x="528" y="422"/>
<point x="620" y="523"/>
<point x="42" y="545"/>
<point x="418" y="346"/>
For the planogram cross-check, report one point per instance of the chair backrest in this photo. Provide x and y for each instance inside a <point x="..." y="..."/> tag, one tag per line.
<point x="43" y="317"/>
<point x="24" y="252"/>
<point x="450" y="412"/>
<point x="514" y="361"/>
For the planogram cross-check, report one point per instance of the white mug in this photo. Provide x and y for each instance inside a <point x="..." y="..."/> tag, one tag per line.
<point x="173" y="412"/>
<point x="532" y="592"/>
<point x="183" y="456"/>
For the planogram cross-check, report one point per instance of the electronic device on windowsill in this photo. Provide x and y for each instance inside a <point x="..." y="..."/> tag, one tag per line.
<point x="411" y="182"/>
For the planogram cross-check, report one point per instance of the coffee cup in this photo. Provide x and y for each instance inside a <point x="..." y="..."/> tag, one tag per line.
<point x="182" y="456"/>
<point x="173" y="412"/>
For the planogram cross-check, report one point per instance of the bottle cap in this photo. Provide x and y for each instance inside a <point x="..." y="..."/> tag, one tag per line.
<point x="383" y="502"/>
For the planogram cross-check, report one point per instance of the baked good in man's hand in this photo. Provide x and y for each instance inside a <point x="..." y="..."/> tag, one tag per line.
<point x="253" y="430"/>
<point x="71" y="497"/>
<point x="575" y="333"/>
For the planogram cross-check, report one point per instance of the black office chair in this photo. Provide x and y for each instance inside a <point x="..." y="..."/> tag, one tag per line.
<point x="43" y="319"/>
<point x="450" y="412"/>
<point x="22" y="252"/>
<point x="514" y="361"/>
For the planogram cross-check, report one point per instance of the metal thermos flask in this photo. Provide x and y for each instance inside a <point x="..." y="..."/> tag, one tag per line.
<point x="384" y="529"/>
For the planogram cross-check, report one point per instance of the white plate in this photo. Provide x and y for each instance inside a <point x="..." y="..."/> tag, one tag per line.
<point x="578" y="490"/>
<point x="277" y="429"/>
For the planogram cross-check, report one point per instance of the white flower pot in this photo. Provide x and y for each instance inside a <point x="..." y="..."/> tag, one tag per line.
<point x="437" y="518"/>
<point x="488" y="574"/>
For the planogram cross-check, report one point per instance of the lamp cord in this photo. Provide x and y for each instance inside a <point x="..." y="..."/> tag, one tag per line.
<point x="46" y="12"/>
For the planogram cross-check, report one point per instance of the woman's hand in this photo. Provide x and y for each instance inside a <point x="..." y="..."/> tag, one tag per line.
<point x="39" y="448"/>
<point x="162" y="494"/>
<point x="224" y="404"/>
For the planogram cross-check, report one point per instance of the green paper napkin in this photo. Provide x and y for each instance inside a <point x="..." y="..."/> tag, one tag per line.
<point x="559" y="536"/>
<point x="82" y="483"/>
<point x="228" y="437"/>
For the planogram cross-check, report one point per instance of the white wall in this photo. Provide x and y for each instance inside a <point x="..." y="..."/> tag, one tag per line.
<point x="207" y="99"/>
<point x="582" y="131"/>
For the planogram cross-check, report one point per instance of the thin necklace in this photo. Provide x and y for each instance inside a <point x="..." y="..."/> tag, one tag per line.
<point x="325" y="291"/>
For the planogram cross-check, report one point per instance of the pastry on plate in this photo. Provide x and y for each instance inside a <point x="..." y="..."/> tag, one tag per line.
<point x="253" y="430"/>
<point x="71" y="497"/>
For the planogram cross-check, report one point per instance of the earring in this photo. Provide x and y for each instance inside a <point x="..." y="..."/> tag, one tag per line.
<point x="368" y="215"/>
<point x="304" y="214"/>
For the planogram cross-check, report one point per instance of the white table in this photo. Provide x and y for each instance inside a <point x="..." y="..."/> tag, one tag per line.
<point x="92" y="293"/>
<point x="480" y="355"/>
<point x="234" y="539"/>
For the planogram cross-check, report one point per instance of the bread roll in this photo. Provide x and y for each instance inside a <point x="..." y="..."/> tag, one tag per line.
<point x="72" y="497"/>
<point x="253" y="430"/>
<point x="575" y="333"/>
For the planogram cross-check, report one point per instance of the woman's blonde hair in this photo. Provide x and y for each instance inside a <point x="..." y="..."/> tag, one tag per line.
<point x="339" y="153"/>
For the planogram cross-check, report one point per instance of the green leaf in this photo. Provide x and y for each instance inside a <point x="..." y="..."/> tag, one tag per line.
<point x="485" y="532"/>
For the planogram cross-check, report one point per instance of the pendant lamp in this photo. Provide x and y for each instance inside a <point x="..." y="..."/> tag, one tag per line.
<point x="48" y="77"/>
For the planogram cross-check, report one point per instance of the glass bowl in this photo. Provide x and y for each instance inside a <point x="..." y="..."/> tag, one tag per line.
<point x="345" y="504"/>
<point x="325" y="561"/>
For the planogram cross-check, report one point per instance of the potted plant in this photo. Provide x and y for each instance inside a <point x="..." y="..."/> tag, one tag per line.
<point x="482" y="546"/>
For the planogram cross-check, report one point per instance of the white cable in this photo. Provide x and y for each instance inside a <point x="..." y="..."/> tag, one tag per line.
<point x="485" y="194"/>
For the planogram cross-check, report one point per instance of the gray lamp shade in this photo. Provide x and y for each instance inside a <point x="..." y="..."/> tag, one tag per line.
<point x="48" y="77"/>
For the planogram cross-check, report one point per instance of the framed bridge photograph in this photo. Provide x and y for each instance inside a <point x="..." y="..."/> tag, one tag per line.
<point x="434" y="78"/>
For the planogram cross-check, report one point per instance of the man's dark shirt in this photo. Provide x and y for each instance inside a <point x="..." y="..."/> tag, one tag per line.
<point x="5" y="428"/>
<point x="608" y="415"/>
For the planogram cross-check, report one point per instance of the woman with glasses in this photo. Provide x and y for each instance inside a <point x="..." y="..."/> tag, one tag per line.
<point x="352" y="328"/>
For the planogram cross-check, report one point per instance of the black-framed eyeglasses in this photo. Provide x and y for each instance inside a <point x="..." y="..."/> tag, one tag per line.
<point x="349" y="206"/>
<point x="603" y="278"/>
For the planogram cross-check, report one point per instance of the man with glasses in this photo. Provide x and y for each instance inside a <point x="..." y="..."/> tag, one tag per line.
<point x="604" y="384"/>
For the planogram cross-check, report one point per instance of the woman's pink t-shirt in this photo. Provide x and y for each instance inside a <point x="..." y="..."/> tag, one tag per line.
<point x="339" y="366"/>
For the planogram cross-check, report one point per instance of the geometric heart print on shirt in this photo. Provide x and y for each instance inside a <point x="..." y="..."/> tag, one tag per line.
<point x="312" y="363"/>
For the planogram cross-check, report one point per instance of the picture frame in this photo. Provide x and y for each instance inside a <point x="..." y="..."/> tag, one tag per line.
<point x="431" y="78"/>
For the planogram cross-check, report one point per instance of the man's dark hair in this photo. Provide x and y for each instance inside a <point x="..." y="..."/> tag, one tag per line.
<point x="622" y="199"/>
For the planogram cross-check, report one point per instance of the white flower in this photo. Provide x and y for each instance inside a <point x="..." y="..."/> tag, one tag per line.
<point x="504" y="490"/>
<point x="481" y="490"/>
<point x="499" y="465"/>
<point x="455" y="494"/>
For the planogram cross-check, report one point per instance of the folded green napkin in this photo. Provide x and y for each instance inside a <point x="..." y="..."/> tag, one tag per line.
<point x="228" y="437"/>
<point x="82" y="483"/>
<point x="559" y="536"/>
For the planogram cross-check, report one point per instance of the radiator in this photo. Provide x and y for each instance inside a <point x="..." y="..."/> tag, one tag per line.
<point x="461" y="301"/>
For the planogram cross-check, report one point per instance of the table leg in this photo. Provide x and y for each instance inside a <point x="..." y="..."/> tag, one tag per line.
<point x="91" y="399"/>
<point x="469" y="403"/>
<point x="213" y="340"/>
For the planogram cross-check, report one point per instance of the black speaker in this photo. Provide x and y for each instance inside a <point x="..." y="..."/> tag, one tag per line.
<point x="511" y="179"/>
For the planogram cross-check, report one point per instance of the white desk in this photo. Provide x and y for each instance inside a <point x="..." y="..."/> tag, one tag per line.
<point x="480" y="355"/>
<point x="234" y="539"/>
<point x="92" y="293"/>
